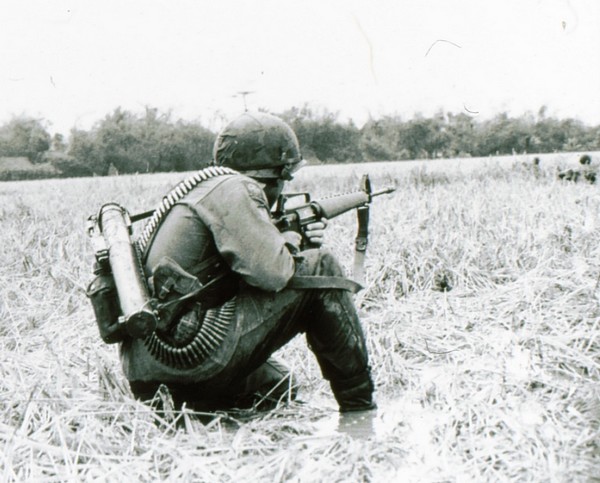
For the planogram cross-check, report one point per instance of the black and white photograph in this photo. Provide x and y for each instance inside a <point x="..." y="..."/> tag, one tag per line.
<point x="300" y="241"/>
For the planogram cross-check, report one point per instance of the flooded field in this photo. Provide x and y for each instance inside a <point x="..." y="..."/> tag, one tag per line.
<point x="492" y="376"/>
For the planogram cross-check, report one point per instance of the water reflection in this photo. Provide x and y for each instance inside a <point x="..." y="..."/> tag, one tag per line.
<point x="391" y="418"/>
<point x="359" y="425"/>
<point x="362" y="425"/>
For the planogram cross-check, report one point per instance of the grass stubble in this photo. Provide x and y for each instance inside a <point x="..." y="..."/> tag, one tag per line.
<point x="481" y="311"/>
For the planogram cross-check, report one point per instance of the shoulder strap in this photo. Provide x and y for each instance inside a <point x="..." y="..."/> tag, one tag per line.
<point x="361" y="242"/>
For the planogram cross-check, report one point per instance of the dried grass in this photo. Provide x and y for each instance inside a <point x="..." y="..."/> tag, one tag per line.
<point x="495" y="379"/>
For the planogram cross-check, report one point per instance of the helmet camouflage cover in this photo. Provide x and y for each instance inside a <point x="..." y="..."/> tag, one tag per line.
<point x="259" y="145"/>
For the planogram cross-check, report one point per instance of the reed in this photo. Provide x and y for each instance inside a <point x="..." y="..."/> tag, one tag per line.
<point x="481" y="311"/>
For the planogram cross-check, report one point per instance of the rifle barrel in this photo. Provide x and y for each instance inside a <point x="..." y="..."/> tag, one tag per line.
<point x="384" y="191"/>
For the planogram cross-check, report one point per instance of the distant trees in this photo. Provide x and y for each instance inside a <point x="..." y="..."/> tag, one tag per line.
<point x="423" y="138"/>
<point x="125" y="142"/>
<point x="322" y="137"/>
<point x="444" y="135"/>
<point x="149" y="143"/>
<point x="502" y="135"/>
<point x="379" y="139"/>
<point x="460" y="129"/>
<point x="24" y="136"/>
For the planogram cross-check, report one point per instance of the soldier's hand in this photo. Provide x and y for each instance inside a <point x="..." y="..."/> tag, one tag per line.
<point x="315" y="232"/>
<point x="294" y="239"/>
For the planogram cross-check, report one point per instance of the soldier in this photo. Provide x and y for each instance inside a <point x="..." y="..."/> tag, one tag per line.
<point x="221" y="231"/>
<point x="587" y="171"/>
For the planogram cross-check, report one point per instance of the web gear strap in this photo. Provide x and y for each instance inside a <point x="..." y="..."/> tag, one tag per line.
<point x="303" y="282"/>
<point x="361" y="242"/>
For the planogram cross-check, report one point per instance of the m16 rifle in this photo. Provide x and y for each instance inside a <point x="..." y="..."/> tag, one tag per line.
<point x="310" y="211"/>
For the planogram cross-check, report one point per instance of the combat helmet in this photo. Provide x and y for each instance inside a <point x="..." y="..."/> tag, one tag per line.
<point x="260" y="145"/>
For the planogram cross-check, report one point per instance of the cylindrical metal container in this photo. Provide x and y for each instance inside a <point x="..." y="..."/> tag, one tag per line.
<point x="138" y="314"/>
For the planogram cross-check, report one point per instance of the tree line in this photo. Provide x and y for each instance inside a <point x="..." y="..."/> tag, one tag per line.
<point x="126" y="142"/>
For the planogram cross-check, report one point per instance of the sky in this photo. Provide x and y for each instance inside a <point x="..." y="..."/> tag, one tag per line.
<point x="72" y="62"/>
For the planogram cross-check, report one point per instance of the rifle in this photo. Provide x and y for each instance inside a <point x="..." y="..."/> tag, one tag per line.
<point x="310" y="211"/>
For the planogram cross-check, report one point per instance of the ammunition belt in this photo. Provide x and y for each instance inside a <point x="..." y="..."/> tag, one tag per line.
<point x="208" y="334"/>
<point x="205" y="330"/>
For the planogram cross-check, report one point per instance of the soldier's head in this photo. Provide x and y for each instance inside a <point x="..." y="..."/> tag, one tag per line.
<point x="261" y="146"/>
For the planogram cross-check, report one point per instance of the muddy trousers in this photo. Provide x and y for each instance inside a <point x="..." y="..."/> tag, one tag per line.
<point x="268" y="321"/>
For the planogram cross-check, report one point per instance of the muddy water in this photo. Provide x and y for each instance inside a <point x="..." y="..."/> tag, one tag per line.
<point x="388" y="418"/>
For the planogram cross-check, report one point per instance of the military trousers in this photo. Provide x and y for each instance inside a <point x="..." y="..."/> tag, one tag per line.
<point x="270" y="320"/>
